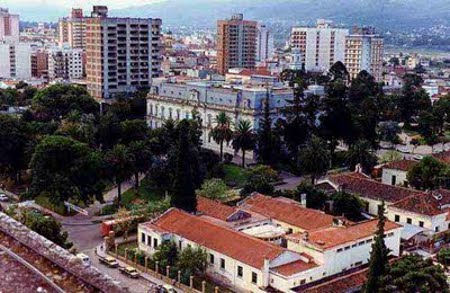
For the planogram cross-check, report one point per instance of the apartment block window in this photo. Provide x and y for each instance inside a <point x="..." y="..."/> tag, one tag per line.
<point x="397" y="218"/>
<point x="240" y="271"/>
<point x="254" y="278"/>
<point x="409" y="220"/>
<point x="421" y="223"/>
<point x="211" y="258"/>
<point x="155" y="242"/>
<point x="222" y="263"/>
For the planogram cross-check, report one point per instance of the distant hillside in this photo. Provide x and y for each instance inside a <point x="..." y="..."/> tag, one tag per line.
<point x="385" y="14"/>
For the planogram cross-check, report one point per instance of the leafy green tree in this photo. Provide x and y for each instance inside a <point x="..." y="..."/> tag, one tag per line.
<point x="394" y="61"/>
<point x="443" y="256"/>
<point x="265" y="137"/>
<point x="338" y="71"/>
<point x="192" y="262"/>
<point x="389" y="131"/>
<point x="142" y="158"/>
<point x="63" y="168"/>
<point x="428" y="174"/>
<point x="413" y="273"/>
<point x="109" y="131"/>
<point x="314" y="158"/>
<point x="222" y="132"/>
<point x="13" y="146"/>
<point x="361" y="153"/>
<point x="134" y="130"/>
<point x="379" y="262"/>
<point x="391" y="156"/>
<point x="214" y="189"/>
<point x="56" y="101"/>
<point x="260" y="179"/>
<point x="120" y="165"/>
<point x="441" y="112"/>
<point x="166" y="254"/>
<point x="315" y="198"/>
<point x="183" y="196"/>
<point x="347" y="205"/>
<point x="412" y="100"/>
<point x="45" y="226"/>
<point x="243" y="138"/>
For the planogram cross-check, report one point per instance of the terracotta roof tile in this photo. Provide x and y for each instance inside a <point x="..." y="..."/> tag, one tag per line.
<point x="234" y="244"/>
<point x="356" y="184"/>
<point x="345" y="283"/>
<point x="444" y="157"/>
<point x="294" y="268"/>
<point x="214" y="208"/>
<point x="335" y="236"/>
<point x="289" y="212"/>
<point x="427" y="203"/>
<point x="403" y="165"/>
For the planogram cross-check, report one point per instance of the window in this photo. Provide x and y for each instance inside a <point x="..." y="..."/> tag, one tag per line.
<point x="149" y="241"/>
<point x="361" y="243"/>
<point x="254" y="278"/>
<point x="421" y="223"/>
<point x="179" y="244"/>
<point x="222" y="263"/>
<point x="408" y="220"/>
<point x="369" y="241"/>
<point x="143" y="238"/>
<point x="155" y="242"/>
<point x="339" y="250"/>
<point x="240" y="271"/>
<point x="393" y="180"/>
<point x="436" y="229"/>
<point x="354" y="245"/>
<point x="347" y="247"/>
<point x="397" y="218"/>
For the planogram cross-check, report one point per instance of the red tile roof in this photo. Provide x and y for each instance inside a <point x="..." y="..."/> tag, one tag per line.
<point x="289" y="212"/>
<point x="357" y="184"/>
<point x="294" y="268"/>
<point x="214" y="208"/>
<point x="236" y="245"/>
<point x="427" y="203"/>
<point x="403" y="165"/>
<point x="345" y="283"/>
<point x="335" y="236"/>
<point x="444" y="157"/>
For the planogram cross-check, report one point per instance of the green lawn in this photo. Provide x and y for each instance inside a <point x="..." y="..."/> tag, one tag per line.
<point x="235" y="176"/>
<point x="61" y="209"/>
<point x="146" y="192"/>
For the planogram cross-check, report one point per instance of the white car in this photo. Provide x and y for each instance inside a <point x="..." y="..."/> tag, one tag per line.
<point x="3" y="197"/>
<point x="403" y="149"/>
<point x="85" y="260"/>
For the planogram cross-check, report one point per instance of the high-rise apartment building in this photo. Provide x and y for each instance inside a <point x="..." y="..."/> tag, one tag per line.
<point x="39" y="63"/>
<point x="9" y="26"/>
<point x="72" y="30"/>
<point x="264" y="43"/>
<point x="236" y="43"/>
<point x="65" y="63"/>
<point x="321" y="46"/>
<point x="364" y="51"/>
<point x="122" y="54"/>
<point x="15" y="60"/>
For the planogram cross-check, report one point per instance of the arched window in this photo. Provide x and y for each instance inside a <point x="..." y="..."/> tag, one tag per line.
<point x="156" y="111"/>
<point x="209" y="120"/>
<point x="178" y="114"/>
<point x="162" y="112"/>
<point x="170" y="113"/>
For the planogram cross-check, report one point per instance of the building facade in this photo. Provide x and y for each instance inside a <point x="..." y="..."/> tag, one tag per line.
<point x="320" y="46"/>
<point x="264" y="43"/>
<point x="364" y="51"/>
<point x="15" y="60"/>
<point x="39" y="63"/>
<point x="122" y="54"/>
<point x="236" y="43"/>
<point x="178" y="100"/>
<point x="9" y="26"/>
<point x="65" y="63"/>
<point x="72" y="30"/>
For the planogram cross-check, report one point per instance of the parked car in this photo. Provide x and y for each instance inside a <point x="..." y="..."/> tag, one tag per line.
<point x="3" y="197"/>
<point x="109" y="261"/>
<point x="85" y="260"/>
<point x="129" y="271"/>
<point x="417" y="157"/>
<point x="403" y="149"/>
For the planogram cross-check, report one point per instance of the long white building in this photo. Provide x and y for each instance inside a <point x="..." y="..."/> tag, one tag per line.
<point x="321" y="46"/>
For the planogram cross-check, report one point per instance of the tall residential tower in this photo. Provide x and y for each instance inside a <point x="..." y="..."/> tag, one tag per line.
<point x="72" y="30"/>
<point x="236" y="43"/>
<point x="122" y="54"/>
<point x="9" y="26"/>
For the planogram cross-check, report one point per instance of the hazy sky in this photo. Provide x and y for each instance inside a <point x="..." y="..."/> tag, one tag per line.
<point x="50" y="10"/>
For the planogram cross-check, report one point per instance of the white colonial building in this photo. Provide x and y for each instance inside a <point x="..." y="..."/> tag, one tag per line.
<point x="171" y="99"/>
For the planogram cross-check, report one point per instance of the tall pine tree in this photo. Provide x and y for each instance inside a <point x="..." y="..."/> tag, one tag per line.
<point x="265" y="135"/>
<point x="183" y="196"/>
<point x="378" y="263"/>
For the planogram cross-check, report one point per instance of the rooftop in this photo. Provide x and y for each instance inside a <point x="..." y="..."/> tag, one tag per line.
<point x="356" y="183"/>
<point x="236" y="245"/>
<point x="427" y="203"/>
<point x="338" y="235"/>
<point x="293" y="268"/>
<point x="444" y="157"/>
<point x="403" y="165"/>
<point x="287" y="211"/>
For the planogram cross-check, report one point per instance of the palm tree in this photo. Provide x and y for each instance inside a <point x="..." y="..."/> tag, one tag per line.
<point x="244" y="138"/>
<point x="314" y="158"/>
<point x="222" y="131"/>
<point x="361" y="153"/>
<point x="120" y="164"/>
